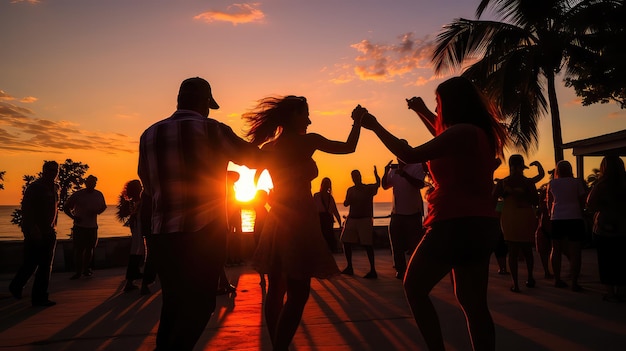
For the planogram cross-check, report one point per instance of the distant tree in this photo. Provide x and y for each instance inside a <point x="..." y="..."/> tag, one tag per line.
<point x="598" y="73"/>
<point x="2" y="173"/>
<point x="71" y="179"/>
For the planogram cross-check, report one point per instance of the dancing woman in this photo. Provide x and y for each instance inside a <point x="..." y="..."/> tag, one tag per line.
<point x="462" y="225"/>
<point x="292" y="248"/>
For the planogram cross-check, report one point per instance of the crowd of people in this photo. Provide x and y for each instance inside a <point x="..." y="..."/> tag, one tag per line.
<point x="179" y="218"/>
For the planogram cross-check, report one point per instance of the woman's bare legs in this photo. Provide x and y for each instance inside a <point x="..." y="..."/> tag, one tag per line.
<point x="513" y="265"/>
<point x="555" y="259"/>
<point x="283" y="316"/>
<point x="575" y="248"/>
<point x="274" y="300"/>
<point x="421" y="276"/>
<point x="470" y="286"/>
<point x="543" y="247"/>
<point x="527" y="251"/>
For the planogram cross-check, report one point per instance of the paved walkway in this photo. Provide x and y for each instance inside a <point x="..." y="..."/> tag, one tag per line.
<point x="345" y="313"/>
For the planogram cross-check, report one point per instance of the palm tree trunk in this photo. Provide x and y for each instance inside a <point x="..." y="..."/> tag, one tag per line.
<point x="557" y="137"/>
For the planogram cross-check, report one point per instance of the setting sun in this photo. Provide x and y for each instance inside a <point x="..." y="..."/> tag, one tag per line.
<point x="245" y="189"/>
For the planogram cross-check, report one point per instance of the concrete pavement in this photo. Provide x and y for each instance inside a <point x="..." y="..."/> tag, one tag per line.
<point x="344" y="313"/>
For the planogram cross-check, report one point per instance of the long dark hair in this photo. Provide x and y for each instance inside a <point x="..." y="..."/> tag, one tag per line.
<point x="463" y="102"/>
<point x="267" y="120"/>
<point x="612" y="172"/>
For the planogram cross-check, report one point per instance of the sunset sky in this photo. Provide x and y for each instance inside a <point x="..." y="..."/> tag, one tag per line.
<point x="83" y="79"/>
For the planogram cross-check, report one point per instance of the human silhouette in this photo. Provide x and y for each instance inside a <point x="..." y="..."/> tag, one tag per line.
<point x="405" y="224"/>
<point x="328" y="212"/>
<point x="292" y="249"/>
<point x="359" y="226"/>
<point x="543" y="241"/>
<point x="518" y="217"/>
<point x="234" y="221"/>
<point x="183" y="161"/>
<point x="462" y="222"/>
<point x="129" y="201"/>
<point x="607" y="200"/>
<point x="260" y="216"/>
<point x="83" y="207"/>
<point x="39" y="220"/>
<point x="566" y="200"/>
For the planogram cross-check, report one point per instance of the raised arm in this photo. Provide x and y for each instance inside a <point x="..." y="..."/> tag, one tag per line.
<point x="540" y="172"/>
<point x="318" y="142"/>
<point x="385" y="181"/>
<point x="450" y="142"/>
<point x="428" y="118"/>
<point x="377" y="177"/>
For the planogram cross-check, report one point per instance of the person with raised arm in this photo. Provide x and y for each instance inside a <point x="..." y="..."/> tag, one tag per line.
<point x="462" y="225"/>
<point x="291" y="248"/>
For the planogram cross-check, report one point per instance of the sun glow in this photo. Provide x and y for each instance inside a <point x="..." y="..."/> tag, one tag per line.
<point x="245" y="189"/>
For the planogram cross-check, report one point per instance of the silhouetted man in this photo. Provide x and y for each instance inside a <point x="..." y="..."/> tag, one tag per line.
<point x="405" y="225"/>
<point x="359" y="226"/>
<point x="39" y="219"/>
<point x="83" y="207"/>
<point x="183" y="161"/>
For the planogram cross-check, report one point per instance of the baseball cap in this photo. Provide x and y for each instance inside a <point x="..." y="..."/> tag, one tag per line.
<point x="517" y="160"/>
<point x="197" y="88"/>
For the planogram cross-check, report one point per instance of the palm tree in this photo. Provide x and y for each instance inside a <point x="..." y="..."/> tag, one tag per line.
<point x="517" y="57"/>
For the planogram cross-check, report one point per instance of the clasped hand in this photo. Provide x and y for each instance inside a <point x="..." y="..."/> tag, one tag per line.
<point x="362" y="117"/>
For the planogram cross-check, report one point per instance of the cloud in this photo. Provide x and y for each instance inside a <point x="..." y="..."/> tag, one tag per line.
<point x="29" y="99"/>
<point x="20" y="131"/>
<point x="387" y="62"/>
<point x="26" y="1"/>
<point x="5" y="97"/>
<point x="237" y="14"/>
<point x="618" y="114"/>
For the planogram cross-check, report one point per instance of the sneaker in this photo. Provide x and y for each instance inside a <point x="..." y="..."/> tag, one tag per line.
<point x="371" y="275"/>
<point x="88" y="273"/>
<point x="43" y="303"/>
<point x="75" y="276"/>
<point x="348" y="271"/>
<point x="400" y="275"/>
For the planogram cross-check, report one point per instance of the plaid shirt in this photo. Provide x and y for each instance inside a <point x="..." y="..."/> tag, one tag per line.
<point x="183" y="162"/>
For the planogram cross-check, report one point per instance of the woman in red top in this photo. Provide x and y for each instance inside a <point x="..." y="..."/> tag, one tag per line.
<point x="462" y="225"/>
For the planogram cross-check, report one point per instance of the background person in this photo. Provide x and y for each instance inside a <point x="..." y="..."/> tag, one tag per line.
<point x="359" y="226"/>
<point x="518" y="218"/>
<point x="83" y="207"/>
<point x="607" y="200"/>
<point x="405" y="225"/>
<point x="39" y="219"/>
<point x="566" y="198"/>
<point x="327" y="210"/>
<point x="128" y="213"/>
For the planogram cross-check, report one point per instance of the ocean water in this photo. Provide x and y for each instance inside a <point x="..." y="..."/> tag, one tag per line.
<point x="109" y="226"/>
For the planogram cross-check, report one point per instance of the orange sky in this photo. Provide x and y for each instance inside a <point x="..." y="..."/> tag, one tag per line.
<point x="83" y="80"/>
